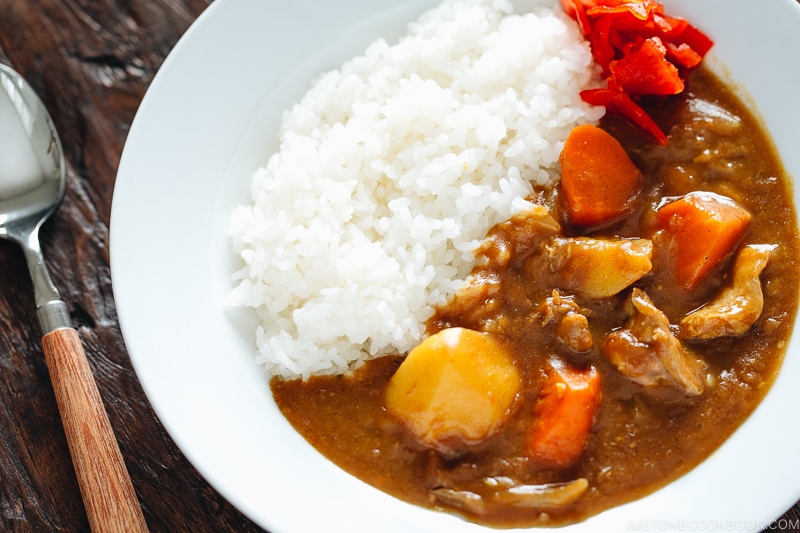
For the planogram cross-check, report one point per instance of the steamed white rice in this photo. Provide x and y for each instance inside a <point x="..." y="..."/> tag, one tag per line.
<point x="392" y="168"/>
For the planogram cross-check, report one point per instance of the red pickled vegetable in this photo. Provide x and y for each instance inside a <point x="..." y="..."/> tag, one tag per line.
<point x="695" y="39"/>
<point x="617" y="102"/>
<point x="644" y="70"/>
<point x="643" y="53"/>
<point x="641" y="9"/>
<point x="683" y="55"/>
<point x="576" y="10"/>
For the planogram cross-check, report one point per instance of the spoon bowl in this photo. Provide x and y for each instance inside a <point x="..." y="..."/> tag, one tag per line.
<point x="29" y="195"/>
<point x="32" y="184"/>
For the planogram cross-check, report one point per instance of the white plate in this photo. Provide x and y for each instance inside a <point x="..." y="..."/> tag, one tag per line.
<point x="209" y="119"/>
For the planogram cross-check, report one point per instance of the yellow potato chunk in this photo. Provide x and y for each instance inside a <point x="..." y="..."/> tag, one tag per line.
<point x="598" y="268"/>
<point x="454" y="388"/>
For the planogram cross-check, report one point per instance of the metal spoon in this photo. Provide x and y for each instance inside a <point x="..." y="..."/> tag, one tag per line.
<point x="28" y="195"/>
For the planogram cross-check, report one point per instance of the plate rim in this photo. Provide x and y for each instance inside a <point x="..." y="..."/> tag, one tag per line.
<point x="184" y="60"/>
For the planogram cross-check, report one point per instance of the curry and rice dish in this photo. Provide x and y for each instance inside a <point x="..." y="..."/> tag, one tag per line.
<point x="605" y="337"/>
<point x="651" y="418"/>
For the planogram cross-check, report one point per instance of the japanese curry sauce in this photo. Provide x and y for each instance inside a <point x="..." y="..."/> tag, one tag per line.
<point x="640" y="441"/>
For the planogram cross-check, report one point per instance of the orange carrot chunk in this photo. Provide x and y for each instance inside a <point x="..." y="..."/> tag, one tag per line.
<point x="599" y="181"/>
<point x="564" y="414"/>
<point x="700" y="230"/>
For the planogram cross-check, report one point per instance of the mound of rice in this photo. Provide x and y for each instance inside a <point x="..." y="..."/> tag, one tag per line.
<point x="391" y="170"/>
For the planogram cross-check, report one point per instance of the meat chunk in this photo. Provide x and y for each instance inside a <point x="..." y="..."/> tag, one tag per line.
<point x="648" y="353"/>
<point x="571" y="324"/>
<point x="547" y="496"/>
<point x="517" y="236"/>
<point x="598" y="268"/>
<point x="573" y="332"/>
<point x="475" y="302"/>
<point x="737" y="307"/>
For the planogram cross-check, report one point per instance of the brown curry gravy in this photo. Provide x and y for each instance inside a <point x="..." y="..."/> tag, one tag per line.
<point x="640" y="441"/>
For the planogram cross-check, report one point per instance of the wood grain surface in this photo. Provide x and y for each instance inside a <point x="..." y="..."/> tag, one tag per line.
<point x="91" y="62"/>
<point x="108" y="495"/>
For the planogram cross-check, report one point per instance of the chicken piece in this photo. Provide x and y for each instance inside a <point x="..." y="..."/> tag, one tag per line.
<point x="648" y="353"/>
<point x="572" y="326"/>
<point x="460" y="499"/>
<point x="517" y="235"/>
<point x="475" y="302"/>
<point x="547" y="496"/>
<point x="598" y="268"/>
<point x="573" y="332"/>
<point x="737" y="307"/>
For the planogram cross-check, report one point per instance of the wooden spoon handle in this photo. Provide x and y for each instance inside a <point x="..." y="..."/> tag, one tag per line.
<point x="107" y="491"/>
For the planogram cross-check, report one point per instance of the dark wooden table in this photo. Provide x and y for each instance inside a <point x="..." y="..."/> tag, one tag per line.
<point x="91" y="62"/>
